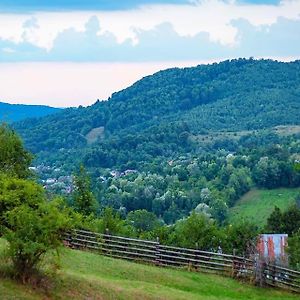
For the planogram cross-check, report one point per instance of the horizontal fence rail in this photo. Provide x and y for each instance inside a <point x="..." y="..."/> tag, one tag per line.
<point x="155" y="253"/>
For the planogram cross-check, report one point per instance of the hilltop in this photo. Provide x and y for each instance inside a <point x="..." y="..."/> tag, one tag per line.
<point x="161" y="114"/>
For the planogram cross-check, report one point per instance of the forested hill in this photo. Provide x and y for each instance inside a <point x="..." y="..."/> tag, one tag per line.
<point x="15" y="112"/>
<point x="161" y="114"/>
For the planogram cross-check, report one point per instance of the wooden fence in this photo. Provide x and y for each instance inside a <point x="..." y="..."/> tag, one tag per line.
<point x="155" y="253"/>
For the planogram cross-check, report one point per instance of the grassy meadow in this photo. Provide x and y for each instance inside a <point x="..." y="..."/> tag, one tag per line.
<point x="257" y="205"/>
<point x="85" y="275"/>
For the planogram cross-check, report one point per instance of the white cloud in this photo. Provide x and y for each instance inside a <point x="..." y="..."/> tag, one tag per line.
<point x="8" y="50"/>
<point x="212" y="16"/>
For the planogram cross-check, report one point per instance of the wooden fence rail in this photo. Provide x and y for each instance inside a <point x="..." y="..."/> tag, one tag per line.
<point x="194" y="259"/>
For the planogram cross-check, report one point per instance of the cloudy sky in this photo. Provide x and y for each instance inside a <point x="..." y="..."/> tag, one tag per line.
<point x="72" y="52"/>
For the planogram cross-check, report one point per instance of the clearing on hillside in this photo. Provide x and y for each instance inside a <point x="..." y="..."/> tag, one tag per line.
<point x="94" y="135"/>
<point x="257" y="205"/>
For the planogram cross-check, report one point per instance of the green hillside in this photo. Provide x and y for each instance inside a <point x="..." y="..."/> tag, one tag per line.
<point x="257" y="205"/>
<point x="90" y="276"/>
<point x="223" y="127"/>
<point x="16" y="112"/>
<point x="159" y="114"/>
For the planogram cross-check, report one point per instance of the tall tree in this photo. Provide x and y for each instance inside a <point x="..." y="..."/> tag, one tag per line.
<point x="14" y="158"/>
<point x="83" y="198"/>
<point x="31" y="225"/>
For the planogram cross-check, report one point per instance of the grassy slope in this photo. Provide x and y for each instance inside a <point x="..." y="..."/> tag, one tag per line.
<point x="90" y="276"/>
<point x="257" y="205"/>
<point x="283" y="130"/>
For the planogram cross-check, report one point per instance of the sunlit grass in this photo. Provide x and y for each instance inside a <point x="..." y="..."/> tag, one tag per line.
<point x="85" y="275"/>
<point x="257" y="205"/>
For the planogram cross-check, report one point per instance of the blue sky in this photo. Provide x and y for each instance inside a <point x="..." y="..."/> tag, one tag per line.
<point x="36" y="5"/>
<point x="160" y="33"/>
<point x="29" y="5"/>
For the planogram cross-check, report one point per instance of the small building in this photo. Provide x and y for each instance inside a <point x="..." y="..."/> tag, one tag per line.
<point x="272" y="248"/>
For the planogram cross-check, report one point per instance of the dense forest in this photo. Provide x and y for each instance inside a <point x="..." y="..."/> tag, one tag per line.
<point x="163" y="114"/>
<point x="16" y="112"/>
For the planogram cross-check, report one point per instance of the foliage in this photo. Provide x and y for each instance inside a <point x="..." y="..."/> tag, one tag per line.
<point x="32" y="233"/>
<point x="110" y="222"/>
<point x="197" y="231"/>
<point x="287" y="221"/>
<point x="14" y="159"/>
<point x="31" y="225"/>
<point x="294" y="250"/>
<point x="84" y="201"/>
<point x="275" y="221"/>
<point x="15" y="192"/>
<point x="143" y="220"/>
<point x="241" y="238"/>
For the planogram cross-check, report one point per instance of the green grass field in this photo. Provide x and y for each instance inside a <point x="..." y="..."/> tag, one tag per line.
<point x="257" y="205"/>
<point x="86" y="275"/>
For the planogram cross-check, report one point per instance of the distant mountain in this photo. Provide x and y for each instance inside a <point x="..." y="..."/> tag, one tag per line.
<point x="16" y="112"/>
<point x="162" y="115"/>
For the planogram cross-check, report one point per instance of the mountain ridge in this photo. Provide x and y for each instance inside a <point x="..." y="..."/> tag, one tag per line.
<point x="16" y="112"/>
<point x="164" y="109"/>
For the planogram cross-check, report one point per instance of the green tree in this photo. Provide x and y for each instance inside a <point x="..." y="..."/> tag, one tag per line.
<point x="294" y="250"/>
<point x="31" y="233"/>
<point x="219" y="209"/>
<point x="241" y="237"/>
<point x="31" y="225"/>
<point x="143" y="220"/>
<point x="84" y="200"/>
<point x="197" y="231"/>
<point x="275" y="221"/>
<point x="110" y="220"/>
<point x="14" y="159"/>
<point x="291" y="220"/>
<point x="15" y="191"/>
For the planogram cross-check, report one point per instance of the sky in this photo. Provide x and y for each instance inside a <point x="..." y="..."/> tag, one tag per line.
<point x="73" y="52"/>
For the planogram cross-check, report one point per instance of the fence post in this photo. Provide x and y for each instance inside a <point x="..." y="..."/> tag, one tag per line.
<point x="72" y="239"/>
<point x="157" y="252"/>
<point x="196" y="254"/>
<point x="234" y="268"/>
<point x="106" y="242"/>
<point x="274" y="273"/>
<point x="260" y="272"/>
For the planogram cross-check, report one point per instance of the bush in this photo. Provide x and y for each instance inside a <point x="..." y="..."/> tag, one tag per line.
<point x="31" y="225"/>
<point x="109" y="220"/>
<point x="241" y="238"/>
<point x="294" y="250"/>
<point x="197" y="231"/>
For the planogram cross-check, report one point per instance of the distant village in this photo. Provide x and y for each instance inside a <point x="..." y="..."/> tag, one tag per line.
<point x="54" y="179"/>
